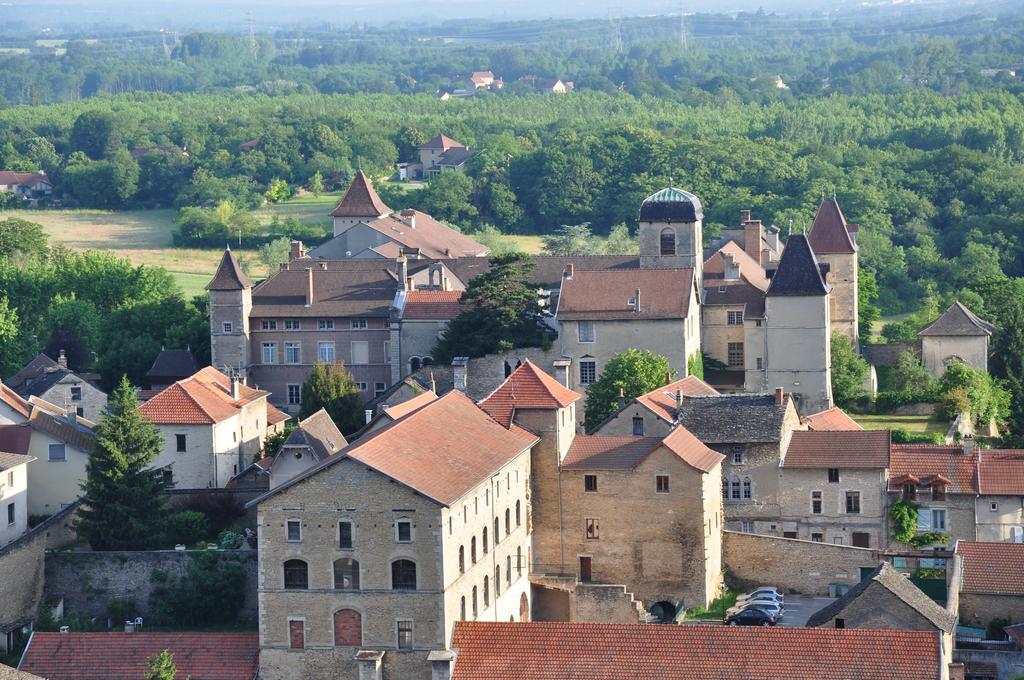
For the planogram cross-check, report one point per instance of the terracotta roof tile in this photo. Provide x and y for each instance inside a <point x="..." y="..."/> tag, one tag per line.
<point x="833" y="419"/>
<point x="1002" y="472"/>
<point x="53" y="420"/>
<point x="414" y="229"/>
<point x="432" y="304"/>
<point x="750" y="269"/>
<point x="598" y="452"/>
<point x="690" y="449"/>
<point x="409" y="405"/>
<point x="606" y="294"/>
<point x="992" y="567"/>
<point x="202" y="399"/>
<point x="958" y="320"/>
<point x="662" y="401"/>
<point x="594" y="651"/>
<point x="361" y="200"/>
<point x="124" y="656"/>
<point x="526" y="387"/>
<point x="229" y="274"/>
<point x="838" y="449"/>
<point x="10" y="177"/>
<point x="275" y="415"/>
<point x="829" y="231"/>
<point x="13" y="400"/>
<point x="924" y="461"/>
<point x="441" y="142"/>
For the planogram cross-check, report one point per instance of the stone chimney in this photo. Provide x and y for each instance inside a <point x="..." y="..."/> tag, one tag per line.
<point x="460" y="367"/>
<point x="441" y="663"/>
<point x="309" y="286"/>
<point x="62" y="360"/>
<point x="562" y="371"/>
<point x="753" y="234"/>
<point x="969" y="445"/>
<point x="622" y="399"/>
<point x="744" y="216"/>
<point x="297" y="252"/>
<point x="409" y="217"/>
<point x="371" y="664"/>
<point x="368" y="413"/>
<point x="679" y="400"/>
<point x="236" y="391"/>
<point x="636" y="301"/>
<point x="780" y="396"/>
<point x="403" y="271"/>
<point x="668" y="377"/>
<point x="569" y="272"/>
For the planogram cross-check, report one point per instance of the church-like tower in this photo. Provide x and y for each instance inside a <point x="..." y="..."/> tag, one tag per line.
<point x="671" y="234"/>
<point x="230" y="304"/>
<point x="834" y="244"/>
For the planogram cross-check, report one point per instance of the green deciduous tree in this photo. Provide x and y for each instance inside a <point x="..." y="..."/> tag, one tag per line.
<point x="161" y="667"/>
<point x="331" y="387"/>
<point x="272" y="254"/>
<point x="571" y="239"/>
<point x="124" y="506"/>
<point x="1008" y="365"/>
<point x="634" y="372"/>
<point x="447" y="198"/>
<point x="96" y="133"/>
<point x="500" y="311"/>
<point x="969" y="390"/>
<point x="867" y="308"/>
<point x="21" y="238"/>
<point x="849" y="371"/>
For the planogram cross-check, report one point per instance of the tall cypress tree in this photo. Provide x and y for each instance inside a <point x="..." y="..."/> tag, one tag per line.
<point x="124" y="507"/>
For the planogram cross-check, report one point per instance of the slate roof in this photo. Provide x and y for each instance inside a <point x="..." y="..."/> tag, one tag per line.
<point x="441" y="451"/>
<point x="173" y="363"/>
<point x="899" y="585"/>
<point x="829" y="232"/>
<point x="455" y="156"/>
<point x="586" y="651"/>
<point x="317" y="434"/>
<point x="361" y="200"/>
<point x="606" y="295"/>
<point x="850" y="449"/>
<point x="432" y="304"/>
<point x="37" y="376"/>
<point x="671" y="204"/>
<point x="832" y="419"/>
<point x="740" y="292"/>
<point x="201" y="399"/>
<point x="798" y="274"/>
<point x="54" y="421"/>
<point x="957" y="320"/>
<point x="229" y="274"/>
<point x="124" y="656"/>
<point x="734" y="418"/>
<point x="662" y="401"/>
<point x="13" y="400"/>
<point x="11" y="460"/>
<point x="996" y="568"/>
<point x="526" y="387"/>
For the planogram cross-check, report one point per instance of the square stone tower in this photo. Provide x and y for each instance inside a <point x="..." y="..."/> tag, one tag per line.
<point x="671" y="235"/>
<point x="230" y="304"/>
<point x="834" y="244"/>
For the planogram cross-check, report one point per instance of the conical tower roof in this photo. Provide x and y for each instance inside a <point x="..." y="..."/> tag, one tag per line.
<point x="829" y="232"/>
<point x="229" y="275"/>
<point x="361" y="200"/>
<point x="798" y="274"/>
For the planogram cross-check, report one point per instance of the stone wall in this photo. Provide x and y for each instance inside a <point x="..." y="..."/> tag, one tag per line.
<point x="792" y="564"/>
<point x="604" y="604"/>
<point x="977" y="609"/>
<point x="88" y="581"/>
<point x="1008" y="664"/>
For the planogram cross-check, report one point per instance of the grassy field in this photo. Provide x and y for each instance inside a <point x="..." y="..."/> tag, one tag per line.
<point x="929" y="424"/>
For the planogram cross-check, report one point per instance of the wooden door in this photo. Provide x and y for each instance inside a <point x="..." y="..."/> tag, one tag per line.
<point x="585" y="569"/>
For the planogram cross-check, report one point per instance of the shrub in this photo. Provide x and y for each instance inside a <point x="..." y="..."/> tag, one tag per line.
<point x="995" y="628"/>
<point x="211" y="592"/>
<point x="903" y="436"/>
<point x="229" y="540"/>
<point x="890" y="401"/>
<point x="188" y="527"/>
<point x="121" y="609"/>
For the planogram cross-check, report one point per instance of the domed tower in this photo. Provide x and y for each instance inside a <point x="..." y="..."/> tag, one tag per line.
<point x="670" y="231"/>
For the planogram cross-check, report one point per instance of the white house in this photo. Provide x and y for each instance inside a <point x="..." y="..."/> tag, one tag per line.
<point x="14" y="460"/>
<point x="61" y="442"/>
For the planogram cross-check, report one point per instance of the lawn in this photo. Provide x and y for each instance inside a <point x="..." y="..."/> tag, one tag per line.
<point x="928" y="424"/>
<point x="716" y="610"/>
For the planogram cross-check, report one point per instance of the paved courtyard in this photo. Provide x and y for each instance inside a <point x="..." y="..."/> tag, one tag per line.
<point x="800" y="607"/>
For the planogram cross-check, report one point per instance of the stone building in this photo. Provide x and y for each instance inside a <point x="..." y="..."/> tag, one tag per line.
<point x="834" y="243"/>
<point x="832" y="487"/>
<point x="367" y="560"/>
<point x="313" y="441"/>
<point x="54" y="382"/>
<point x="212" y="427"/>
<point x="424" y="315"/>
<point x="790" y="346"/>
<point x="671" y="231"/>
<point x="992" y="582"/>
<point x="588" y="494"/>
<point x="887" y="599"/>
<point x="957" y="335"/>
<point x="654" y="414"/>
<point x="759" y="241"/>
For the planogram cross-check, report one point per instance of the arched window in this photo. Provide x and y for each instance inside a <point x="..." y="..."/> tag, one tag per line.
<point x="497" y="581"/>
<point x="462" y="559"/>
<point x="485" y="540"/>
<point x="346" y="574"/>
<point x="462" y="608"/>
<point x="403" y="575"/>
<point x="508" y="521"/>
<point x="518" y="521"/>
<point x="487" y="593"/>
<point x="519" y="561"/>
<point x="472" y="550"/>
<point x="497" y="534"/>
<point x="348" y="628"/>
<point x="296" y="575"/>
<point x="428" y="361"/>
<point x="474" y="602"/>
<point x="508" y="570"/>
<point x="414" y="364"/>
<point x="668" y="241"/>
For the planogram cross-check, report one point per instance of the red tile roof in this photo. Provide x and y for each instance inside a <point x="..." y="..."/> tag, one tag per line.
<point x="606" y="295"/>
<point x="414" y="229"/>
<point x="432" y="304"/>
<point x="13" y="400"/>
<point x="750" y="269"/>
<point x="202" y="399"/>
<point x="1002" y="472"/>
<point x="598" y="452"/>
<point x="275" y="415"/>
<point x="832" y="419"/>
<point x="408" y="406"/>
<point x="124" y="656"/>
<point x="992" y="567"/>
<point x="526" y="387"/>
<point x="441" y="142"/>
<point x="361" y="200"/>
<point x="593" y="651"/>
<point x="924" y="461"/>
<point x="229" y="275"/>
<point x="838" y="449"/>
<point x="662" y="401"/>
<point x="693" y="452"/>
<point x="11" y="178"/>
<point x="829" y="231"/>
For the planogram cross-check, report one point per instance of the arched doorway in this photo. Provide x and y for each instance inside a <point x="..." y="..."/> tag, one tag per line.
<point x="665" y="612"/>
<point x="348" y="628"/>
<point x="524" y="607"/>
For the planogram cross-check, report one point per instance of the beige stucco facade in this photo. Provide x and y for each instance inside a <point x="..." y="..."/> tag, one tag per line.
<point x="799" y="502"/>
<point x="999" y="519"/>
<point x="717" y="333"/>
<point x="14" y="494"/>
<point x="939" y="350"/>
<point x="55" y="483"/>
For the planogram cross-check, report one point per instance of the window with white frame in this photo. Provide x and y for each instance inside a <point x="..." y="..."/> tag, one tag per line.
<point x="588" y="371"/>
<point x="938" y="520"/>
<point x="292" y="353"/>
<point x="403" y="531"/>
<point x="294" y="394"/>
<point x="593" y="528"/>
<point x="359" y="324"/>
<point x="292" y="324"/>
<point x="379" y="388"/>
<point x="735" y="486"/>
<point x="404" y="633"/>
<point x="293" y="530"/>
<point x="735" y="318"/>
<point x="325" y="324"/>
<point x="360" y="352"/>
<point x="55" y="452"/>
<point x="586" y="331"/>
<point x="270" y="352"/>
<point x="325" y="352"/>
<point x="268" y="324"/>
<point x="747" y="489"/>
<point x="747" y="527"/>
<point x="362" y="386"/>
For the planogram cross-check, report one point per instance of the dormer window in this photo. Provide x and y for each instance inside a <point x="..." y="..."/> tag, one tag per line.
<point x="938" y="491"/>
<point x="909" y="492"/>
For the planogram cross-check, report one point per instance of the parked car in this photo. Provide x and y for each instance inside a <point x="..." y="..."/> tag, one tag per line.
<point x="765" y="591"/>
<point x="770" y="607"/>
<point x="750" y="617"/>
<point x="743" y="600"/>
